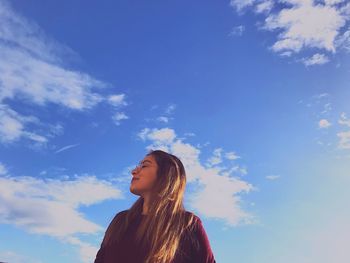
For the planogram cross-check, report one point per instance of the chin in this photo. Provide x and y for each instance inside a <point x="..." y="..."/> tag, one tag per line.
<point x="134" y="191"/>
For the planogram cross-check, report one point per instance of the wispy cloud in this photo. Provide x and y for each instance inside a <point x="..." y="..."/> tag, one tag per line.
<point x="118" y="101"/>
<point x="237" y="30"/>
<point x="3" y="169"/>
<point x="170" y="108"/>
<point x="344" y="136"/>
<point x="316" y="59"/>
<point x="231" y="156"/>
<point x="344" y="140"/>
<point x="241" y="4"/>
<point x="219" y="182"/>
<point x="13" y="257"/>
<point x="264" y="6"/>
<point x="118" y="116"/>
<point x="322" y="107"/>
<point x="344" y="120"/>
<point x="272" y="177"/>
<point x="32" y="69"/>
<point x="25" y="75"/>
<point x="321" y="95"/>
<point x="165" y="116"/>
<point x="163" y="119"/>
<point x="216" y="158"/>
<point x="13" y="126"/>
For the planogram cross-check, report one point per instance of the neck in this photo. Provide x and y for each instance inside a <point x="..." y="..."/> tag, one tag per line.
<point x="145" y="205"/>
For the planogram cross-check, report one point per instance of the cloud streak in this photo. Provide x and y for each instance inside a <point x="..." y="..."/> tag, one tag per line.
<point x="66" y="148"/>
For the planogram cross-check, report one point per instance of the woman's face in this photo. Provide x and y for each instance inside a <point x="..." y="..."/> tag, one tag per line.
<point x="144" y="176"/>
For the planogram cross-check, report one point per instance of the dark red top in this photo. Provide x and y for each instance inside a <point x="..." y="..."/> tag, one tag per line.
<point x="188" y="252"/>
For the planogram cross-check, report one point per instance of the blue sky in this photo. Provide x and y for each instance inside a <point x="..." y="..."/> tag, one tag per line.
<point x="252" y="95"/>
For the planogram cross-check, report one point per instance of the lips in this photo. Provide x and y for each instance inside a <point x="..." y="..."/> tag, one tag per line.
<point x="134" y="179"/>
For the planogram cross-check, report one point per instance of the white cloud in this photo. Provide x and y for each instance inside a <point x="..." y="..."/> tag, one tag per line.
<point x="87" y="252"/>
<point x="117" y="117"/>
<point x="163" y="119"/>
<point x="237" y="30"/>
<point x="161" y="136"/>
<point x="316" y="59"/>
<point x="272" y="177"/>
<point x="24" y="75"/>
<point x="216" y="158"/>
<point x="321" y="95"/>
<point x="50" y="207"/>
<point x="170" y="109"/>
<point x="344" y="40"/>
<point x="12" y="126"/>
<point x="345" y="10"/>
<point x="306" y="25"/>
<point x="28" y="36"/>
<point x="189" y="134"/>
<point x="235" y="170"/>
<point x="218" y="194"/>
<point x="324" y="124"/>
<point x="241" y="4"/>
<point x="333" y="2"/>
<point x="13" y="257"/>
<point x="327" y="108"/>
<point x="3" y="169"/>
<point x="264" y="6"/>
<point x="231" y="156"/>
<point x="117" y="100"/>
<point x="344" y="137"/>
<point x="344" y="142"/>
<point x="344" y="120"/>
<point x="303" y="25"/>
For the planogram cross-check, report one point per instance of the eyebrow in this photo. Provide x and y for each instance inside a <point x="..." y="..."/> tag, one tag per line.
<point x="145" y="161"/>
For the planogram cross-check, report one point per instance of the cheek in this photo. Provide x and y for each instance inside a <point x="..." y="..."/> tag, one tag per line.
<point x="150" y="180"/>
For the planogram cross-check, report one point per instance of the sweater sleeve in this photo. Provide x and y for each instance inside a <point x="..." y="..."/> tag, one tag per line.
<point x="202" y="252"/>
<point x="100" y="256"/>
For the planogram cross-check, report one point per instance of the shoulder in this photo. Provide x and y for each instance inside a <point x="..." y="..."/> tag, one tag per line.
<point x="190" y="214"/>
<point x="193" y="222"/>
<point x="123" y="213"/>
<point x="202" y="251"/>
<point x="120" y="215"/>
<point x="196" y="225"/>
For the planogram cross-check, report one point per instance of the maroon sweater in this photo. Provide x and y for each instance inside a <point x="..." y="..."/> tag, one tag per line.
<point x="188" y="251"/>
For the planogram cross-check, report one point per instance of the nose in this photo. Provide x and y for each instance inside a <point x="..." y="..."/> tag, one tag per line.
<point x="135" y="170"/>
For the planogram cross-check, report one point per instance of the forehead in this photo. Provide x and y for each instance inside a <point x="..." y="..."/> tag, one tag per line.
<point x="148" y="159"/>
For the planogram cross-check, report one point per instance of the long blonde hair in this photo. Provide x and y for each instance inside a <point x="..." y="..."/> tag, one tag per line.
<point x="166" y="221"/>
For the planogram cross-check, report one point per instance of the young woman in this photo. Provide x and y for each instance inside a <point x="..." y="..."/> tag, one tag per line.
<point x="157" y="228"/>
